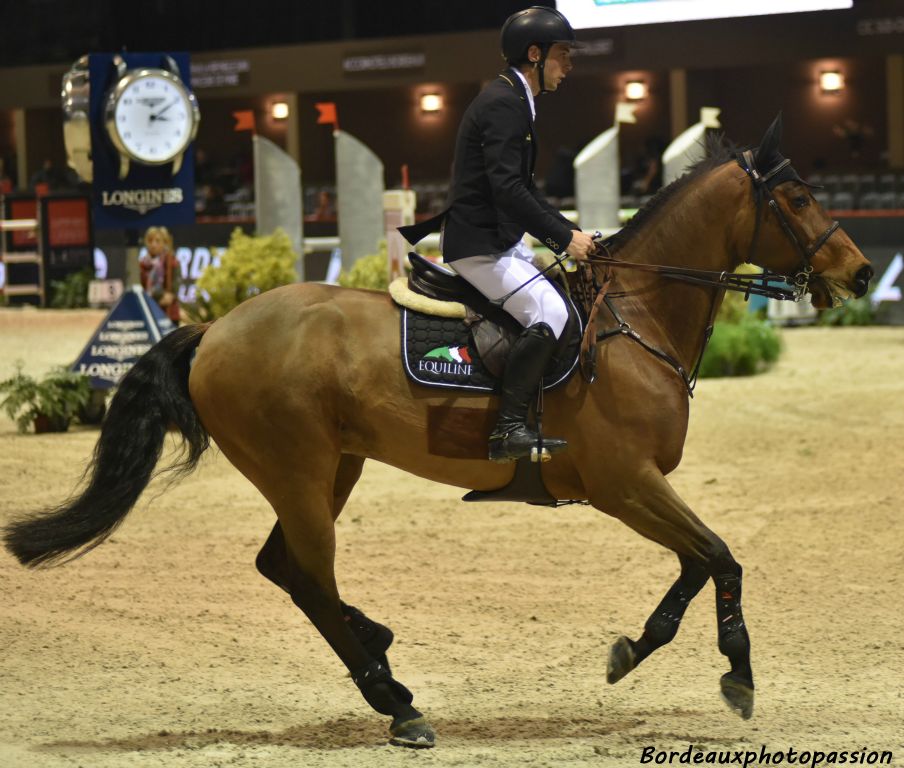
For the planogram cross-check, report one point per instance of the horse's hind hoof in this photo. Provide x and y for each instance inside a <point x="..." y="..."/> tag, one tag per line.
<point x="415" y="734"/>
<point x="621" y="660"/>
<point x="737" y="694"/>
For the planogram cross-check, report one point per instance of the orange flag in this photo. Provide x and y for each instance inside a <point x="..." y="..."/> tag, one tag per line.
<point x="244" y="120"/>
<point x="328" y="114"/>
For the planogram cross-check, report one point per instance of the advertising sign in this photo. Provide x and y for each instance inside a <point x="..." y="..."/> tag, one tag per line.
<point x="67" y="237"/>
<point x="143" y="117"/>
<point x="589" y="14"/>
<point x="130" y="329"/>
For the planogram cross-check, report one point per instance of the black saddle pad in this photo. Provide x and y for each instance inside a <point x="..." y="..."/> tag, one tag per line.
<point x="439" y="352"/>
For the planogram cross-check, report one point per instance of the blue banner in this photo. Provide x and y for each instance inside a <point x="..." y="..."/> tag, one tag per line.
<point x="148" y="195"/>
<point x="132" y="327"/>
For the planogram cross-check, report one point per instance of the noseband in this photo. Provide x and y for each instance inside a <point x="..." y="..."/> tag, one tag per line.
<point x="763" y="184"/>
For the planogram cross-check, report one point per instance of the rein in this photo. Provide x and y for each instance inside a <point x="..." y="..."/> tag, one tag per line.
<point x="768" y="284"/>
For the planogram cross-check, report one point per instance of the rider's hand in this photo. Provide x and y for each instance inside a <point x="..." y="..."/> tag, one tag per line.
<point x="581" y="245"/>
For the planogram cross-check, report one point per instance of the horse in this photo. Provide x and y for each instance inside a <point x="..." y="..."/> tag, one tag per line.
<point x="300" y="385"/>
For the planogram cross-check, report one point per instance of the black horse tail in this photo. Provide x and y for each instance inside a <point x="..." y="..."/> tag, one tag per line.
<point x="151" y="397"/>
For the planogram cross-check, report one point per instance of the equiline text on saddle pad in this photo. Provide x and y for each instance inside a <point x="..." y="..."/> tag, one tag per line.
<point x="440" y="352"/>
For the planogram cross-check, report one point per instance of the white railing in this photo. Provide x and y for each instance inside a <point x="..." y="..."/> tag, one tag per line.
<point x="20" y="257"/>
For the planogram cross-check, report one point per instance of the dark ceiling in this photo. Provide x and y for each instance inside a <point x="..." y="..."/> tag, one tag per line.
<point x="57" y="31"/>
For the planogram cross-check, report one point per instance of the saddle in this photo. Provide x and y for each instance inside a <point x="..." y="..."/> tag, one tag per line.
<point x="492" y="329"/>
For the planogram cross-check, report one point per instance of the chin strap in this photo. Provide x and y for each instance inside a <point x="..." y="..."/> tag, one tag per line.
<point x="541" y="68"/>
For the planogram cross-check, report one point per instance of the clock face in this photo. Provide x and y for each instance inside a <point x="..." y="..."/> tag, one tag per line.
<point x="152" y="117"/>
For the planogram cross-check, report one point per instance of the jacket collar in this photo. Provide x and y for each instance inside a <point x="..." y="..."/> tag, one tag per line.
<point x="512" y="79"/>
<point x="527" y="92"/>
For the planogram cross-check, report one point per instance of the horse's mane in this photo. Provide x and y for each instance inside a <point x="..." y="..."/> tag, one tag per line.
<point x="719" y="150"/>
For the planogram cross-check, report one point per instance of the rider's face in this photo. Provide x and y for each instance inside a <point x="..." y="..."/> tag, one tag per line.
<point x="558" y="65"/>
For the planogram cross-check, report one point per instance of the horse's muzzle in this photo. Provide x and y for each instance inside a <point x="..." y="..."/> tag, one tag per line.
<point x="861" y="280"/>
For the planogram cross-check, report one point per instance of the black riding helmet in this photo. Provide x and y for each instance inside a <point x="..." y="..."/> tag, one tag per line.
<point x="537" y="25"/>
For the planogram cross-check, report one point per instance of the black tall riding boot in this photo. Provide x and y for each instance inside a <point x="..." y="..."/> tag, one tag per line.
<point x="511" y="438"/>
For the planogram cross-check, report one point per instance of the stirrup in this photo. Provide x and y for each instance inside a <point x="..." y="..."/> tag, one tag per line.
<point x="526" y="443"/>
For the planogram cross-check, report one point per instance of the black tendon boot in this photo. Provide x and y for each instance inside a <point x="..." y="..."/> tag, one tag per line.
<point x="511" y="438"/>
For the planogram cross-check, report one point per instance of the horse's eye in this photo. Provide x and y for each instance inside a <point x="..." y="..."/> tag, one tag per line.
<point x="801" y="201"/>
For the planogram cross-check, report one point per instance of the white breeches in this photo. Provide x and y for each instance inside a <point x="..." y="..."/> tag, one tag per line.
<point x="495" y="275"/>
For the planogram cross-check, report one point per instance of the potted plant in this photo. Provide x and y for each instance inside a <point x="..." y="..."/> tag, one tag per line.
<point x="250" y="265"/>
<point x="48" y="404"/>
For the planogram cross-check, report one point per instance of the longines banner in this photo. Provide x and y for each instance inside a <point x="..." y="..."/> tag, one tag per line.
<point x="143" y="119"/>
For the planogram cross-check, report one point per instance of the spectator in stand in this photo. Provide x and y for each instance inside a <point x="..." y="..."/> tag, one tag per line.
<point x="160" y="271"/>
<point x="326" y="211"/>
<point x="209" y="200"/>
<point x="47" y="178"/>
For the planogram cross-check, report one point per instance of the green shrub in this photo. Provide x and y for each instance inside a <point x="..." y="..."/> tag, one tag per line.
<point x="56" y="398"/>
<point x="370" y="272"/>
<point x="741" y="349"/>
<point x="852" y="312"/>
<point x="72" y="291"/>
<point x="252" y="264"/>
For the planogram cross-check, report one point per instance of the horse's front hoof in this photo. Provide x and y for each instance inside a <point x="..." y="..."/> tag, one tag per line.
<point x="415" y="734"/>
<point x="621" y="660"/>
<point x="737" y="694"/>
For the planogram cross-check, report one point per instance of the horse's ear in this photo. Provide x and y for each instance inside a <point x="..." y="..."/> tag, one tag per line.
<point x="770" y="143"/>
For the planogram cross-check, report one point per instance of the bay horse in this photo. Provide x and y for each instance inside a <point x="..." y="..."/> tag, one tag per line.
<point x="300" y="385"/>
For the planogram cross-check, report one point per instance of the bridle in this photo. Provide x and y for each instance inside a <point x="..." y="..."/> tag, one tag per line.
<point x="769" y="284"/>
<point x="763" y="184"/>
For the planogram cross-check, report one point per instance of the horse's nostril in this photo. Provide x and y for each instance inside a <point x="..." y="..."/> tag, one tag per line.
<point x="861" y="281"/>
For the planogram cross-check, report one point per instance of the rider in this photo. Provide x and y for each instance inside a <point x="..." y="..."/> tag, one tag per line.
<point x="493" y="201"/>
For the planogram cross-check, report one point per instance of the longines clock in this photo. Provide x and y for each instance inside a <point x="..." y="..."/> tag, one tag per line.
<point x="150" y="116"/>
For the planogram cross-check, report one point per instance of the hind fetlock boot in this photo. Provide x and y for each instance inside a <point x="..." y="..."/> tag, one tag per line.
<point x="512" y="438"/>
